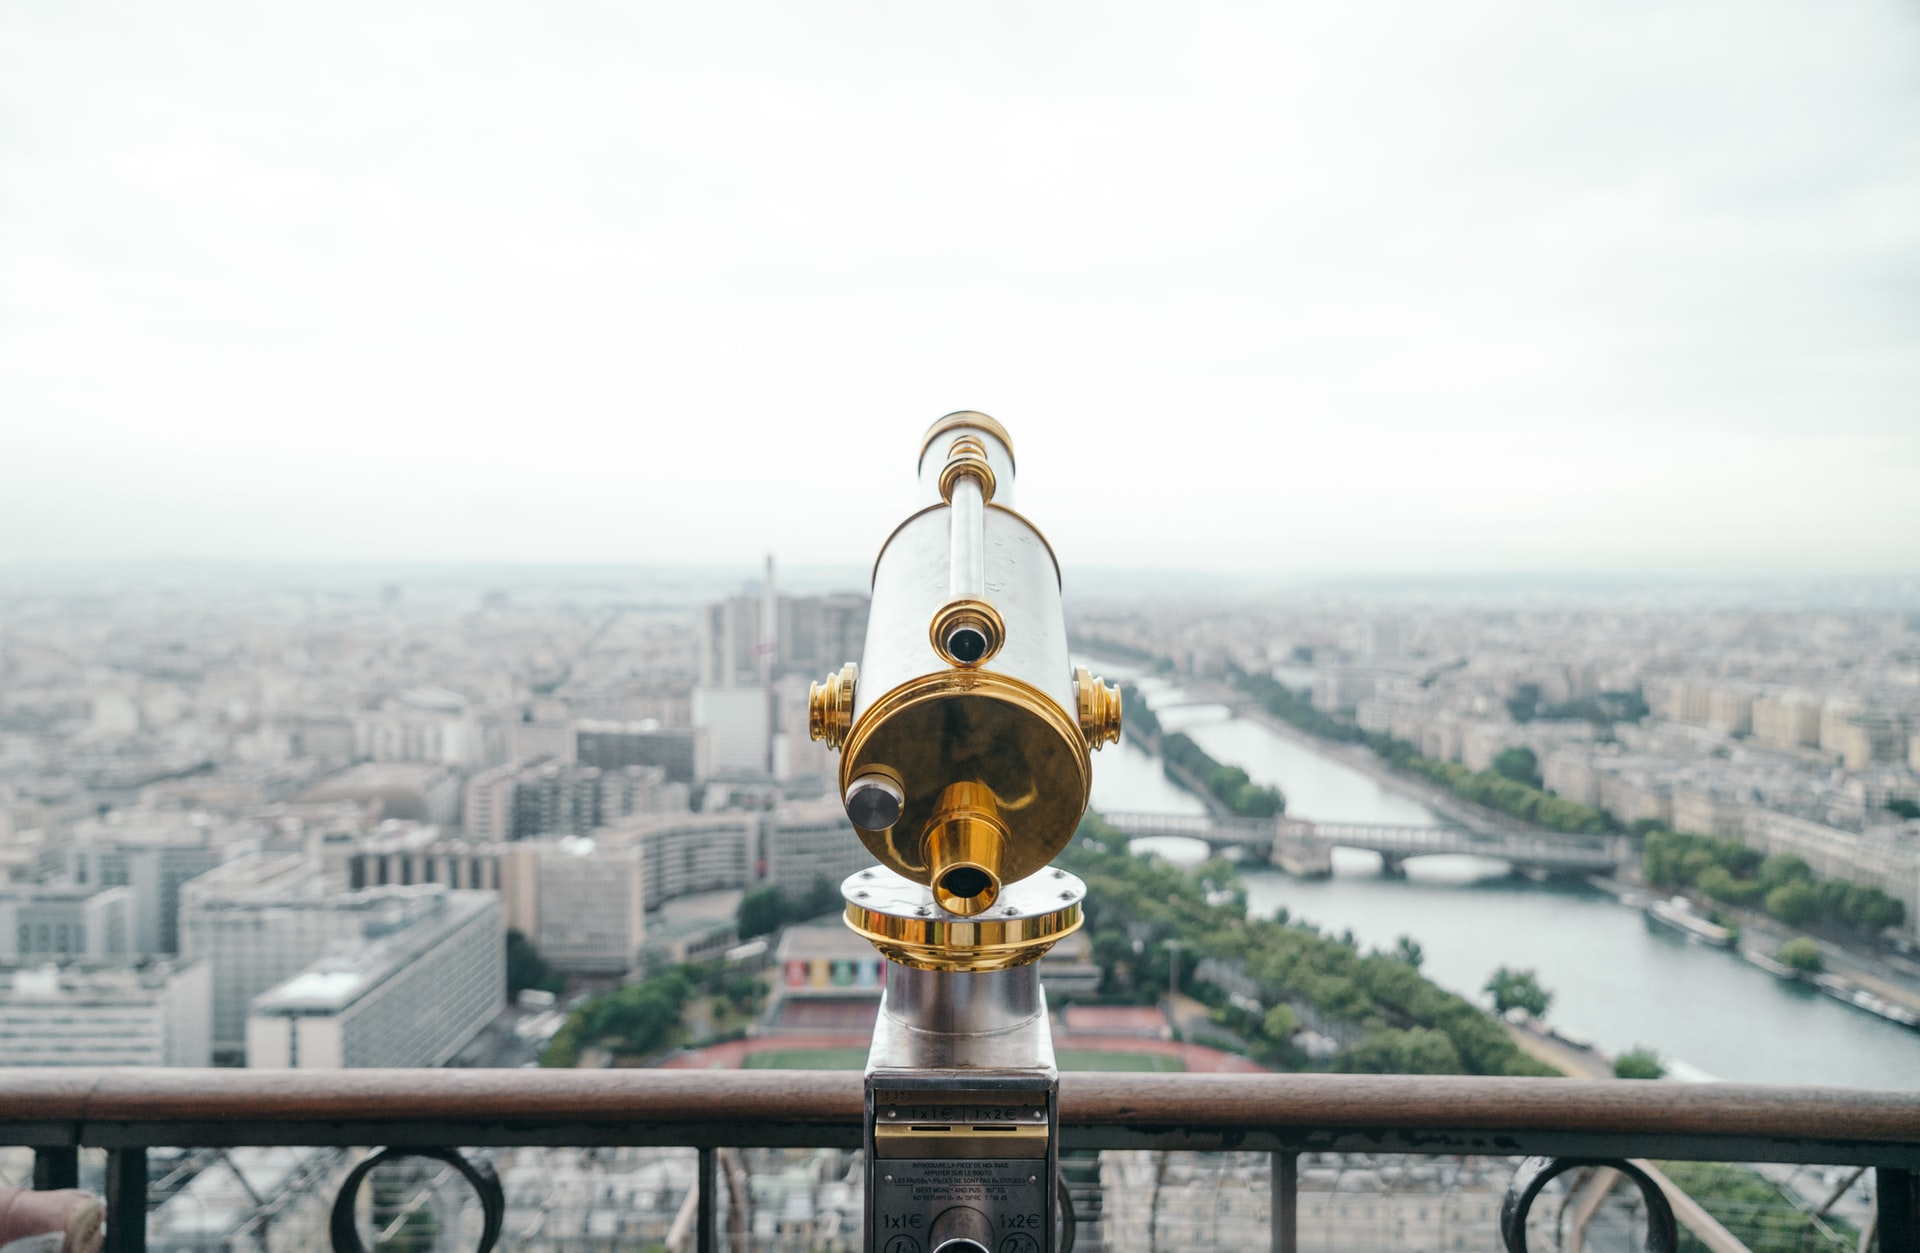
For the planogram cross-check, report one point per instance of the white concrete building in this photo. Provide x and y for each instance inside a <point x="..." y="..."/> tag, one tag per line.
<point x="420" y="725"/>
<point x="1787" y="720"/>
<point x="738" y="726"/>
<point x="256" y="921"/>
<point x="592" y="906"/>
<point x="62" y="922"/>
<point x="150" y="859"/>
<point x="430" y="974"/>
<point x="83" y="1015"/>
<point x="261" y="920"/>
<point x="422" y="792"/>
<point x="686" y="853"/>
<point x="812" y="840"/>
<point x="486" y="809"/>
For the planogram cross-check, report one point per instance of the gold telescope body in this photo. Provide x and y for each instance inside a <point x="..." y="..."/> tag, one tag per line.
<point x="965" y="731"/>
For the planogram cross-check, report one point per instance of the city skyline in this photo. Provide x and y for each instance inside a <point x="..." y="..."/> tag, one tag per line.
<point x="1286" y="292"/>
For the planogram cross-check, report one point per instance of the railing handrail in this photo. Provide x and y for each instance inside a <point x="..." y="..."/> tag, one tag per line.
<point x="1385" y="1113"/>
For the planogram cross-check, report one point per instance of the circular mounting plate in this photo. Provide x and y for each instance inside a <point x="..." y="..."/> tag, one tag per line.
<point x="902" y="920"/>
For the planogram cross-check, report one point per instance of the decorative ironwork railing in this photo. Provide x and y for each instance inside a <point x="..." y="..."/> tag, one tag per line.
<point x="433" y="1113"/>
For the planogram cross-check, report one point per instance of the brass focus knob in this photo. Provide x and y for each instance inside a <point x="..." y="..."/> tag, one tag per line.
<point x="967" y="456"/>
<point x="830" y="706"/>
<point x="1099" y="708"/>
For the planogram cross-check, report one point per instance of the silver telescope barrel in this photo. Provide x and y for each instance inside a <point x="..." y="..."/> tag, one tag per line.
<point x="965" y="731"/>
<point x="967" y="558"/>
<point x="965" y="735"/>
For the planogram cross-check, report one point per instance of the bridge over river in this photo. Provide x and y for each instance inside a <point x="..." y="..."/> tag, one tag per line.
<point x="1303" y="847"/>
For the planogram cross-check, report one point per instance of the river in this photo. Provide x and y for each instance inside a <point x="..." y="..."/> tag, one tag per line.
<point x="1614" y="979"/>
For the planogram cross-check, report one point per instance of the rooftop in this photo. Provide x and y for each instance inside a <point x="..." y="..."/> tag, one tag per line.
<point x="393" y="940"/>
<point x="77" y="984"/>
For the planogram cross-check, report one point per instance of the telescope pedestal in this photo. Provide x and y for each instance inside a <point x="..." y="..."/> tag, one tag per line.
<point x="962" y="1108"/>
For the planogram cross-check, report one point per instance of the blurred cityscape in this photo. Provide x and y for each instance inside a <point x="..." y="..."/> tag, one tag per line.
<point x="421" y="823"/>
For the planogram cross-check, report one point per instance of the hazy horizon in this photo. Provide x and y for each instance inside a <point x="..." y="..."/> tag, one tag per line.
<point x="1090" y="586"/>
<point x="1510" y="287"/>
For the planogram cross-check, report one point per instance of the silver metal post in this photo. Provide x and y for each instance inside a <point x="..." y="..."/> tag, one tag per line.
<point x="967" y="542"/>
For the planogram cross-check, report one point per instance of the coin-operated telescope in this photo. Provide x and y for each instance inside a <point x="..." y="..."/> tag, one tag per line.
<point x="966" y="736"/>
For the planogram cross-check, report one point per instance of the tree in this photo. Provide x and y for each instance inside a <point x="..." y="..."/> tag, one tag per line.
<point x="822" y="898"/>
<point x="1418" y="1051"/>
<point x="526" y="970"/>
<point x="1801" y="954"/>
<point x="1518" y="989"/>
<point x="1639" y="1062"/>
<point x="1281" y="1023"/>
<point x="1520" y="765"/>
<point x="1784" y="868"/>
<point x="1795" y="903"/>
<point x="761" y="911"/>
<point x="1904" y="807"/>
<point x="1408" y="950"/>
<point x="1721" y="886"/>
<point x="1872" y="910"/>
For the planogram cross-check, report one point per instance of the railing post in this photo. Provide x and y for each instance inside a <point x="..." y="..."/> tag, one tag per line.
<point x="1899" y="1204"/>
<point x="1286" y="1203"/>
<point x="55" y="1168"/>
<point x="126" y="1201"/>
<point x="707" y="1185"/>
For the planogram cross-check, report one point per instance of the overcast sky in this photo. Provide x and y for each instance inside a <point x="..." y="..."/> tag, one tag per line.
<point x="1266" y="288"/>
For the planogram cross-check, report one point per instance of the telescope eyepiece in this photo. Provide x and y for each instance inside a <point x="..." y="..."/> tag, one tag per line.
<point x="968" y="644"/>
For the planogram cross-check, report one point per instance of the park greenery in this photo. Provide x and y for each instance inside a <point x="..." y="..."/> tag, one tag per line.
<point x="1782" y="884"/>
<point x="1137" y="716"/>
<point x="640" y="1020"/>
<point x="1602" y="710"/>
<point x="1496" y="790"/>
<point x="1515" y="796"/>
<point x="1801" y="954"/>
<point x="1268" y="981"/>
<point x="767" y="909"/>
<point x="1283" y="702"/>
<point x="1639" y="1062"/>
<point x="412" y="1230"/>
<point x="1518" y="989"/>
<point x="525" y="969"/>
<point x="1230" y="785"/>
<point x="1755" y="1211"/>
<point x="1725" y="870"/>
<point x="1519" y="764"/>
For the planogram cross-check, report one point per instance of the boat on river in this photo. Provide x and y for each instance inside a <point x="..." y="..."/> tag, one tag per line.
<point x="1848" y="992"/>
<point x="1677" y="915"/>
<point x="1778" y="969"/>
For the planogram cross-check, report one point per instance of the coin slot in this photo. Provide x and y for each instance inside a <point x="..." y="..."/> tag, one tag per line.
<point x="929" y="1128"/>
<point x="996" y="1127"/>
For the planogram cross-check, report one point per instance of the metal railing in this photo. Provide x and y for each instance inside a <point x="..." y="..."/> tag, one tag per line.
<point x="127" y="1112"/>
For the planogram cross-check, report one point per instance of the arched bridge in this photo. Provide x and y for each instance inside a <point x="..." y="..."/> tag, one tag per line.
<point x="1301" y="846"/>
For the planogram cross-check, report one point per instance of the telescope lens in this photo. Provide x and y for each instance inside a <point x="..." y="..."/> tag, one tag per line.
<point x="965" y="882"/>
<point x="967" y="644"/>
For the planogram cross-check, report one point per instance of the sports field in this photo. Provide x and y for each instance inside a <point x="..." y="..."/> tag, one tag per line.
<point x="806" y="1059"/>
<point x="1100" y="1059"/>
